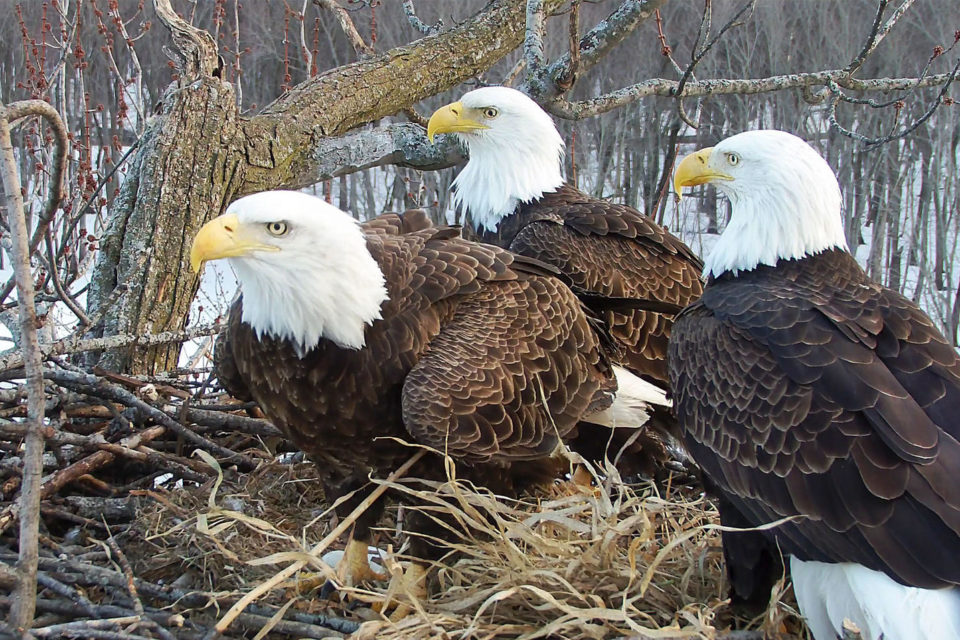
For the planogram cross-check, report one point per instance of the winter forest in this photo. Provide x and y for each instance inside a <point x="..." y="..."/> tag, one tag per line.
<point x="171" y="109"/>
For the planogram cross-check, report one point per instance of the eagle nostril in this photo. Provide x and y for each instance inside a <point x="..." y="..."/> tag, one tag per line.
<point x="228" y="228"/>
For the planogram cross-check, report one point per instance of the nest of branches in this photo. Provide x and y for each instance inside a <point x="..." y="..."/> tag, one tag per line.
<point x="169" y="512"/>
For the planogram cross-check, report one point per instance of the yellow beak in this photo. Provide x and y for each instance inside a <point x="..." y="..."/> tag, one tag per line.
<point x="695" y="169"/>
<point x="223" y="237"/>
<point x="452" y="119"/>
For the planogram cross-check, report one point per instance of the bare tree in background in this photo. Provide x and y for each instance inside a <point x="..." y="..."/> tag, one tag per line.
<point x="196" y="150"/>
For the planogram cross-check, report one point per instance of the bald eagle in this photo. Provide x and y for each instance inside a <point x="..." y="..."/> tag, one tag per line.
<point x="810" y="393"/>
<point x="351" y="336"/>
<point x="514" y="196"/>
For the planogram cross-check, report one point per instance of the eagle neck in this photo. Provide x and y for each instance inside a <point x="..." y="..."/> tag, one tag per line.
<point x="338" y="294"/>
<point x="498" y="177"/>
<point x="777" y="223"/>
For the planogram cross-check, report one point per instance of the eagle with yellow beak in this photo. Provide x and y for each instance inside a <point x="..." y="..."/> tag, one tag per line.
<point x="820" y="402"/>
<point x="353" y="338"/>
<point x="513" y="194"/>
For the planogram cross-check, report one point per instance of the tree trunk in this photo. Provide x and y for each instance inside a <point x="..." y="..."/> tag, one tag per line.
<point x="198" y="155"/>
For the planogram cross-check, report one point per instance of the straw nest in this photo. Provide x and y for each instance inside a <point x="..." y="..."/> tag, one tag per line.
<point x="631" y="561"/>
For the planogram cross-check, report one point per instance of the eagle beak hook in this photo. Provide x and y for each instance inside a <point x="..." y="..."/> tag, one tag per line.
<point x="216" y="239"/>
<point x="694" y="170"/>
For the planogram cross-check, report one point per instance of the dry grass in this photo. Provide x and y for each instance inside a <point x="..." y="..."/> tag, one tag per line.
<point x="631" y="562"/>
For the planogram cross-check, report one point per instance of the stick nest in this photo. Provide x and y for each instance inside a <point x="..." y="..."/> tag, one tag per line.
<point x="631" y="561"/>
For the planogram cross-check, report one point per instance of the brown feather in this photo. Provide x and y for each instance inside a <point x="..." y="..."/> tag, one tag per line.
<point x="806" y="389"/>
<point x="483" y="356"/>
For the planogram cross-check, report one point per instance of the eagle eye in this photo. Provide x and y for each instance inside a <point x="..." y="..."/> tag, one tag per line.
<point x="733" y="159"/>
<point x="490" y="113"/>
<point x="277" y="228"/>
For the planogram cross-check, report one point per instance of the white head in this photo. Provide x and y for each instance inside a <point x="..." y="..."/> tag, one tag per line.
<point x="303" y="267"/>
<point x="785" y="197"/>
<point x="516" y="152"/>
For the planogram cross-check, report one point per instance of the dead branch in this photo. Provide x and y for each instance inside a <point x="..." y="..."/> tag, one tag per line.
<point x="417" y="23"/>
<point x="533" y="49"/>
<point x="362" y="49"/>
<point x="724" y="86"/>
<point x="97" y="387"/>
<point x="65" y="476"/>
<point x="77" y="344"/>
<point x="21" y="615"/>
<point x="604" y="36"/>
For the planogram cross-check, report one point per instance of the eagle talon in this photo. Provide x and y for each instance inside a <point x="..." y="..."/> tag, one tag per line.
<point x="354" y="567"/>
<point x="411" y="584"/>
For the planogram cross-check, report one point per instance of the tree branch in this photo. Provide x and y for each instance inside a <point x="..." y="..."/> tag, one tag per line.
<point x="417" y="23"/>
<point x="877" y="33"/>
<point x="21" y="614"/>
<point x="196" y="46"/>
<point x="362" y="49"/>
<point x="723" y="86"/>
<point x="607" y="34"/>
<point x="77" y="344"/>
<point x="533" y="48"/>
<point x="402" y="144"/>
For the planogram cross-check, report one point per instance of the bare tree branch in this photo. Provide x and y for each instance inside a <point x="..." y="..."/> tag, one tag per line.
<point x="21" y="614"/>
<point x="905" y="131"/>
<point x="198" y="48"/>
<point x="76" y="344"/>
<point x="417" y="23"/>
<point x="349" y="29"/>
<point x="401" y="144"/>
<point x="724" y="86"/>
<point x="533" y="48"/>
<point x="877" y="33"/>
<point x="605" y="35"/>
<point x="699" y="54"/>
<point x="28" y="108"/>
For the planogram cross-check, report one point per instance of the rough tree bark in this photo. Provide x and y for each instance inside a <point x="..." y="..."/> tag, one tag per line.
<point x="198" y="154"/>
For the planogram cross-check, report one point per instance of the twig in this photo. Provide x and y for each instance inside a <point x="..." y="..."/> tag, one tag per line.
<point x="419" y="24"/>
<point x="21" y="615"/>
<point x="76" y="344"/>
<point x="605" y="35"/>
<point x="65" y="476"/>
<point x="699" y="55"/>
<point x="58" y="285"/>
<point x="318" y="548"/>
<point x="873" y="142"/>
<point x="877" y="33"/>
<point x="27" y="108"/>
<point x="92" y="385"/>
<point x="362" y="49"/>
<point x="127" y="573"/>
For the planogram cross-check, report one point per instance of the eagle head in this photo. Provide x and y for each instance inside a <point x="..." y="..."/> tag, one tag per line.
<point x="516" y="152"/>
<point x="303" y="266"/>
<point x="786" y="201"/>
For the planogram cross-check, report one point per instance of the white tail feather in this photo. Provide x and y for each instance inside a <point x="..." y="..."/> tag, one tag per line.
<point x="881" y="607"/>
<point x="631" y="406"/>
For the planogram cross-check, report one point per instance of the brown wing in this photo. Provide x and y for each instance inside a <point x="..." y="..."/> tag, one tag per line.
<point x="510" y="374"/>
<point x="224" y="366"/>
<point x="393" y="224"/>
<point x="614" y="251"/>
<point x="807" y="390"/>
